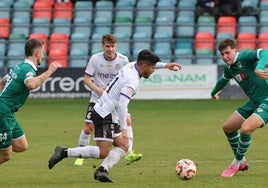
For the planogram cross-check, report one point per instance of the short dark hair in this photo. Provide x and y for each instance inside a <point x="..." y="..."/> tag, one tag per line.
<point x="148" y="57"/>
<point x="32" y="44"/>
<point x="225" y="43"/>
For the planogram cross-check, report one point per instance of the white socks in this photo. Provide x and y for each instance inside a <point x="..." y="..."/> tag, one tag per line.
<point x="113" y="158"/>
<point x="130" y="138"/>
<point x="84" y="139"/>
<point x="84" y="152"/>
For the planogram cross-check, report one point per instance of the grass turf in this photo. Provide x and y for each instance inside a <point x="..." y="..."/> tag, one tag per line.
<point x="164" y="132"/>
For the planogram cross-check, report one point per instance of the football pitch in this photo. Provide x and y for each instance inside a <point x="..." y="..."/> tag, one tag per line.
<point x="165" y="131"/>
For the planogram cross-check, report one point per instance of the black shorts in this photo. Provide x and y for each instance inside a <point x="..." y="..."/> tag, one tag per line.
<point x="88" y="114"/>
<point x="105" y="128"/>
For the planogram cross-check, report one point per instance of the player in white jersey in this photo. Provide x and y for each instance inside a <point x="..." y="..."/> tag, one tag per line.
<point x="101" y="69"/>
<point x="109" y="111"/>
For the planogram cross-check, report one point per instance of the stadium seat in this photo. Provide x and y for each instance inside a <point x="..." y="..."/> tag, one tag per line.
<point x="3" y="44"/>
<point x="95" y="46"/>
<point x="145" y="9"/>
<point x="163" y="30"/>
<point x="79" y="41"/>
<point x="187" y="5"/>
<point x="2" y="58"/>
<point x="142" y="26"/>
<point x="122" y="27"/>
<point x="247" y="24"/>
<point x="263" y="40"/>
<point x="204" y="41"/>
<point x="22" y="9"/>
<point x="221" y="36"/>
<point x="124" y="9"/>
<point x="61" y="25"/>
<point x="246" y="41"/>
<point x="83" y="9"/>
<point x="140" y="44"/>
<point x="166" y="10"/>
<point x="42" y="9"/>
<point x="41" y="25"/>
<point x="78" y="58"/>
<point x="59" y="42"/>
<point x="16" y="41"/>
<point x="206" y="23"/>
<point x="183" y="56"/>
<point x="227" y="24"/>
<point x="5" y="9"/>
<point x="82" y="25"/>
<point x="123" y="46"/>
<point x="14" y="56"/>
<point x="56" y="54"/>
<point x="21" y="25"/>
<point x="185" y="26"/>
<point x="4" y="27"/>
<point x="63" y="10"/>
<point x="204" y="56"/>
<point x="182" y="43"/>
<point x="162" y="47"/>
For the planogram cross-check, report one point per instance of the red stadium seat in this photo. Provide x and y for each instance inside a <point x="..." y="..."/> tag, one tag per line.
<point x="63" y="10"/>
<point x="58" y="55"/>
<point x="42" y="9"/>
<point x="59" y="41"/>
<point x="227" y="24"/>
<point x="246" y="41"/>
<point x="4" y="27"/>
<point x="263" y="40"/>
<point x="204" y="40"/>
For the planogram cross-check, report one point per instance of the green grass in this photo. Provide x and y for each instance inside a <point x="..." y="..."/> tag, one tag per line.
<point x="164" y="130"/>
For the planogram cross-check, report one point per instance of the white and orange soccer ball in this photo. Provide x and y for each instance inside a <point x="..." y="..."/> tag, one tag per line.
<point x="185" y="169"/>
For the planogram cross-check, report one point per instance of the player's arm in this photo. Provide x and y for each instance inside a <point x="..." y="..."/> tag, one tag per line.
<point x="34" y="82"/>
<point x="221" y="83"/>
<point x="2" y="82"/>
<point x="171" y="66"/>
<point x="89" y="83"/>
<point x="261" y="68"/>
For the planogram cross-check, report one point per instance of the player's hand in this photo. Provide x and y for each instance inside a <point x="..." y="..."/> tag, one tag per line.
<point x="99" y="91"/>
<point x="54" y="66"/>
<point x="216" y="96"/>
<point x="262" y="74"/>
<point x="173" y="66"/>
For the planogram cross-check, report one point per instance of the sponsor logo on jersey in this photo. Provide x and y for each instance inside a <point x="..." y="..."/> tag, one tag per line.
<point x="29" y="74"/>
<point x="240" y="77"/>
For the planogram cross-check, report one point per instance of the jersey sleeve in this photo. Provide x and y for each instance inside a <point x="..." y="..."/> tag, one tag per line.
<point x="90" y="69"/>
<point x="263" y="60"/>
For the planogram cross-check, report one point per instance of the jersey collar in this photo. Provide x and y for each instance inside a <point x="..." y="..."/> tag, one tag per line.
<point x="31" y="63"/>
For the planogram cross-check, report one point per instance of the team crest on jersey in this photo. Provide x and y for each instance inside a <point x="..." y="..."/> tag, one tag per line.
<point x="129" y="92"/>
<point x="240" y="77"/>
<point x="239" y="64"/>
<point x="29" y="74"/>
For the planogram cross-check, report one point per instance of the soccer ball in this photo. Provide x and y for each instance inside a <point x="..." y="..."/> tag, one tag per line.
<point x="185" y="169"/>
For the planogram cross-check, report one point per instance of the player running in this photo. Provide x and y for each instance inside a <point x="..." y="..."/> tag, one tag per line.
<point x="101" y="69"/>
<point x="15" y="88"/>
<point x="247" y="68"/>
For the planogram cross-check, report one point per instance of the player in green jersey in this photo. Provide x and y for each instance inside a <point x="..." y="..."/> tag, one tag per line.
<point x="15" y="88"/>
<point x="247" y="68"/>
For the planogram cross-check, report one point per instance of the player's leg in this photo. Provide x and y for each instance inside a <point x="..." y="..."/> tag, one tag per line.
<point x="100" y="151"/>
<point x="237" y="120"/>
<point x="12" y="138"/>
<point x="84" y="138"/>
<point x="131" y="157"/>
<point x="114" y="156"/>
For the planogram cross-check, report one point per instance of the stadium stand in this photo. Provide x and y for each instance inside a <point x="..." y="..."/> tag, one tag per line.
<point x="138" y="24"/>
